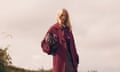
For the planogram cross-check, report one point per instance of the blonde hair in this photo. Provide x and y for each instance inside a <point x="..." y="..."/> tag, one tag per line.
<point x="68" y="24"/>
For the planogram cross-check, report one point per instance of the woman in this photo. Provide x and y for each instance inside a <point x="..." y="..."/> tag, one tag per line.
<point x="59" y="42"/>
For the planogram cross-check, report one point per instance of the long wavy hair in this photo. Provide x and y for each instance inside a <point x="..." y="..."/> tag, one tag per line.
<point x="67" y="22"/>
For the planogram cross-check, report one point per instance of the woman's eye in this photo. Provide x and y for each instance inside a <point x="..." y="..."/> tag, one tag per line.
<point x="61" y="15"/>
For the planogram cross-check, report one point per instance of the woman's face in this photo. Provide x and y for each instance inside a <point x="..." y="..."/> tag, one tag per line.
<point x="63" y="17"/>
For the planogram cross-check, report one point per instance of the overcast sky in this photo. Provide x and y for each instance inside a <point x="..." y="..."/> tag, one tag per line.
<point x="95" y="23"/>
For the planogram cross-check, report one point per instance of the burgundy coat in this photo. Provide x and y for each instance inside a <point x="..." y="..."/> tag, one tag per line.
<point x="60" y="55"/>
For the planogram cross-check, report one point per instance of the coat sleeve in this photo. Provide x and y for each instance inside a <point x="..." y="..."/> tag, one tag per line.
<point x="50" y="42"/>
<point x="77" y="57"/>
<point x="45" y="47"/>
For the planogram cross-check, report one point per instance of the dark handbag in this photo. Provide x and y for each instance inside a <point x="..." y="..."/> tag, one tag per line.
<point x="52" y="41"/>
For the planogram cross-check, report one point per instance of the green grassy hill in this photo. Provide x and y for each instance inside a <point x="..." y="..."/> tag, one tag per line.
<point x="6" y="64"/>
